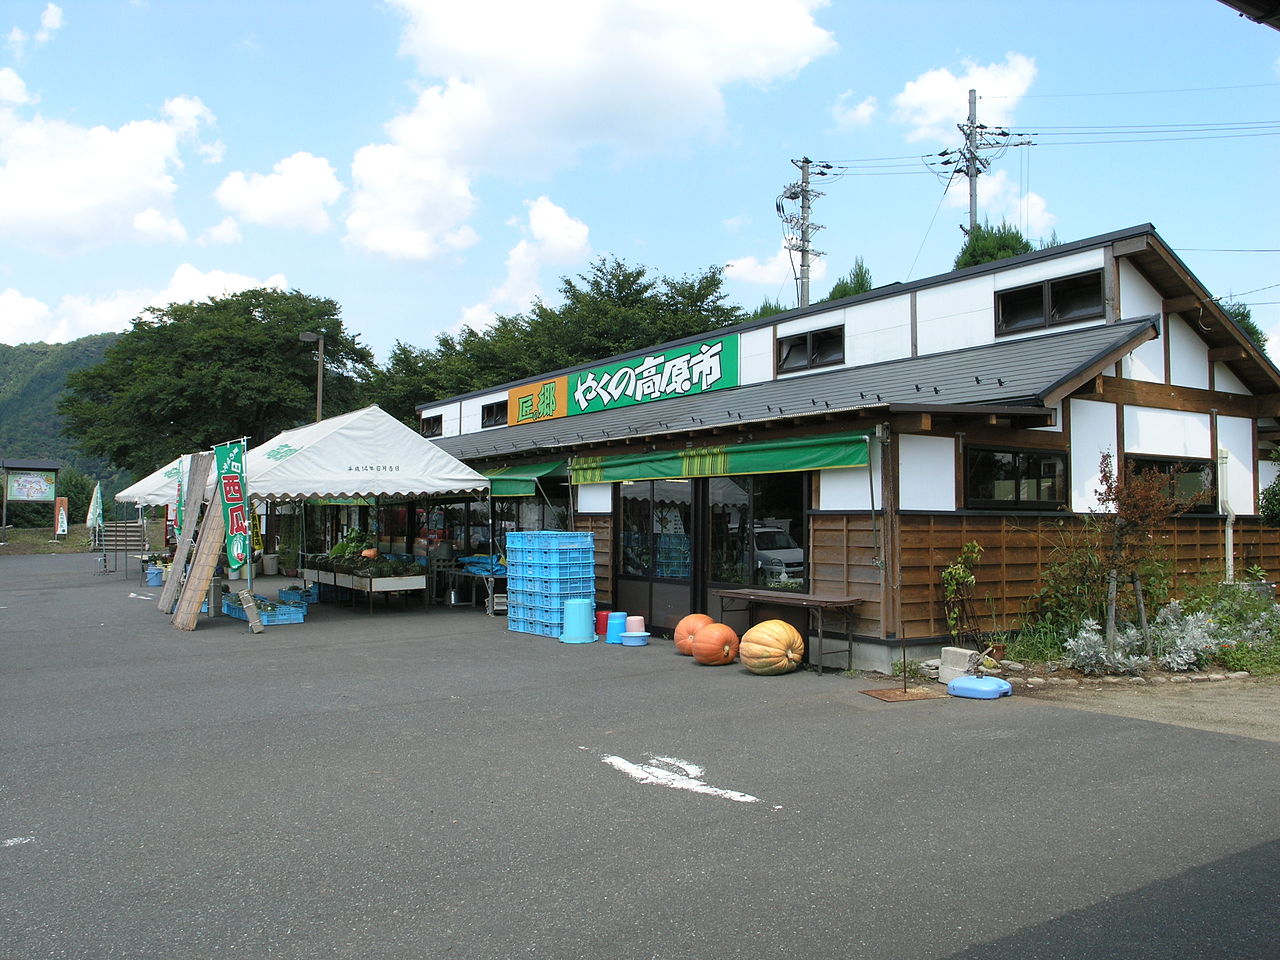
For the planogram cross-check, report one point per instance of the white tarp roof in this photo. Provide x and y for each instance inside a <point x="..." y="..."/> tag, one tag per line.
<point x="155" y="489"/>
<point x="365" y="453"/>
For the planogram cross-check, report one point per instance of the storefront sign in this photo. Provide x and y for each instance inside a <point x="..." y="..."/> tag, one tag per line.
<point x="235" y="506"/>
<point x="32" y="486"/>
<point x="547" y="400"/>
<point x="677" y="372"/>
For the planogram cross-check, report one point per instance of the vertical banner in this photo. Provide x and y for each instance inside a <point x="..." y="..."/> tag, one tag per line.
<point x="60" y="511"/>
<point x="235" y="505"/>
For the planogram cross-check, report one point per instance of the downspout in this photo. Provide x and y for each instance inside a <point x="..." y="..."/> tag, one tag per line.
<point x="1224" y="502"/>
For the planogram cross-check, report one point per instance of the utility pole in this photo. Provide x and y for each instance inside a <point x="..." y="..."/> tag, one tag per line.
<point x="970" y="130"/>
<point x="802" y="225"/>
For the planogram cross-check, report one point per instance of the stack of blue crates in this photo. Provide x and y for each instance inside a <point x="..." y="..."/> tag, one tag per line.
<point x="544" y="569"/>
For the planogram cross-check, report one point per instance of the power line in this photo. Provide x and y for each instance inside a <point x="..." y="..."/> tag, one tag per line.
<point x="1130" y="93"/>
<point x="1228" y="250"/>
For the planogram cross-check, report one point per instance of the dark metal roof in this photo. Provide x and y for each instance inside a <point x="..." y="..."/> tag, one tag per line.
<point x="1009" y="374"/>
<point x="1259" y="11"/>
<point x="31" y="464"/>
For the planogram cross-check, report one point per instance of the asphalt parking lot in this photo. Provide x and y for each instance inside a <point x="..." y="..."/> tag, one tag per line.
<point x="410" y="784"/>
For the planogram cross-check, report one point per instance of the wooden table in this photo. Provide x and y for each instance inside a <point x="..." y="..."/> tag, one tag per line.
<point x="750" y="599"/>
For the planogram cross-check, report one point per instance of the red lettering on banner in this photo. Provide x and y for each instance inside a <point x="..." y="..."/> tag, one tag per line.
<point x="236" y="520"/>
<point x="232" y="492"/>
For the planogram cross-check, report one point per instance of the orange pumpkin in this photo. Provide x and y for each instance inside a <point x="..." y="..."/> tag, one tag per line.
<point x="772" y="647"/>
<point x="715" y="644"/>
<point x="371" y="553"/>
<point x="685" y="630"/>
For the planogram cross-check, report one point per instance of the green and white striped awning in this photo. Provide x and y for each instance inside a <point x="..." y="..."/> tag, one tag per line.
<point x="766" y="456"/>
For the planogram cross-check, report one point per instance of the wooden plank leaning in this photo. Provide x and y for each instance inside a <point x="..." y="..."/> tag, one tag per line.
<point x="209" y="549"/>
<point x="193" y="497"/>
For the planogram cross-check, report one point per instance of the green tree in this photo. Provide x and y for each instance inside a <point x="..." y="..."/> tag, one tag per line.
<point x="986" y="243"/>
<point x="190" y="375"/>
<point x="1243" y="316"/>
<point x="611" y="309"/>
<point x="858" y="280"/>
<point x="767" y="308"/>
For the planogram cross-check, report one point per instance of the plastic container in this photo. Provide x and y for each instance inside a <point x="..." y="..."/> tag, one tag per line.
<point x="979" y="688"/>
<point x="577" y="622"/>
<point x="155" y="575"/>
<point x="634" y="638"/>
<point x="635" y="624"/>
<point x="616" y="627"/>
<point x="602" y="622"/>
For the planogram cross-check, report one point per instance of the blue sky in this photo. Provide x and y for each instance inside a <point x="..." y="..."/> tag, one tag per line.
<point x="429" y="164"/>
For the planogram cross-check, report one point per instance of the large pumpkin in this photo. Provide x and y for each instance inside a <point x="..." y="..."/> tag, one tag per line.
<point x="715" y="644"/>
<point x="685" y="630"/>
<point x="772" y="647"/>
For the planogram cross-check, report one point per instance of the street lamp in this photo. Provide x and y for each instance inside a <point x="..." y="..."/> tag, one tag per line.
<point x="317" y="338"/>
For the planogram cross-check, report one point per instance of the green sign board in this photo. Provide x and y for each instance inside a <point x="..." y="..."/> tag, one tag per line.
<point x="676" y="372"/>
<point x="229" y="458"/>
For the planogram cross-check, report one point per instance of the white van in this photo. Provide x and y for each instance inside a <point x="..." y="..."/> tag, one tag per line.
<point x="778" y="556"/>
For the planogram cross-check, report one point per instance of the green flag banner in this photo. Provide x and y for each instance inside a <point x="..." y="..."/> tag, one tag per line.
<point x="768" y="456"/>
<point x="235" y="501"/>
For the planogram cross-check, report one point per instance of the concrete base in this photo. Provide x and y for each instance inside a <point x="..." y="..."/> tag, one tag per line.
<point x="878" y="657"/>
<point x="955" y="663"/>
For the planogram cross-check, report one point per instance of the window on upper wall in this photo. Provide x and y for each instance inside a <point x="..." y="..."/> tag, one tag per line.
<point x="1015" y="479"/>
<point x="494" y="414"/>
<point x="805" y="351"/>
<point x="433" y="426"/>
<point x="1047" y="304"/>
<point x="1188" y="479"/>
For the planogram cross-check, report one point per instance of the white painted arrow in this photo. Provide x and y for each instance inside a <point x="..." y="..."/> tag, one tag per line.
<point x="675" y="773"/>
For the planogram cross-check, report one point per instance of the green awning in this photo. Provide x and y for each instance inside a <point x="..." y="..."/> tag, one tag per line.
<point x="767" y="456"/>
<point x="522" y="480"/>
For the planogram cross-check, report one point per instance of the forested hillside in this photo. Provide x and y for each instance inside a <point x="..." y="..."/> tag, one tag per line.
<point x="32" y="376"/>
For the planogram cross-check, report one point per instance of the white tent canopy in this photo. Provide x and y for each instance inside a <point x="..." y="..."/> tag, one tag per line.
<point x="158" y="488"/>
<point x="365" y="453"/>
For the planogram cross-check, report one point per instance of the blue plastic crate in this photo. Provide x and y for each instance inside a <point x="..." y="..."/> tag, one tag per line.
<point x="283" y="613"/>
<point x="309" y="595"/>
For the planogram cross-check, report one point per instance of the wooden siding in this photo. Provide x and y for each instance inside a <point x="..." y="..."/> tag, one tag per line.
<point x="600" y="526"/>
<point x="1016" y="548"/>
<point x="843" y="554"/>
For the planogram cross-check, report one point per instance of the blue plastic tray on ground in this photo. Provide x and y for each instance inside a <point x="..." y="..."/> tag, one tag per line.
<point x="979" y="688"/>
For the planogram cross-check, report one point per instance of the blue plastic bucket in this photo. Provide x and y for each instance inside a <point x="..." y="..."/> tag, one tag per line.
<point x="635" y="638"/>
<point x="578" y="626"/>
<point x="155" y="576"/>
<point x="617" y="626"/>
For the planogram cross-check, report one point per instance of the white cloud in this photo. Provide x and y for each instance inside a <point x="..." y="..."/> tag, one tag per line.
<point x="26" y="320"/>
<point x="848" y="115"/>
<point x="295" y="195"/>
<point x="525" y="88"/>
<point x="212" y="152"/>
<point x="552" y="238"/>
<point x="934" y="102"/>
<point x="51" y="22"/>
<point x="67" y="188"/>
<point x="21" y="318"/>
<point x="226" y="231"/>
<point x="12" y="87"/>
<point x="782" y="268"/>
<point x="155" y="225"/>
<point x="1000" y="199"/>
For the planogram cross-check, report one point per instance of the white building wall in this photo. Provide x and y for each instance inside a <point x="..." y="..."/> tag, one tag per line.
<point x="1188" y="355"/>
<point x="1268" y="470"/>
<point x="850" y="488"/>
<point x="879" y="331"/>
<point x="1145" y="363"/>
<point x="1093" y="432"/>
<point x="1137" y="297"/>
<point x="755" y="355"/>
<point x="471" y="409"/>
<point x="450" y="415"/>
<point x="1166" y="433"/>
<point x="926" y="473"/>
<point x="1226" y="381"/>
<point x="955" y="315"/>
<point x="1235" y="464"/>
